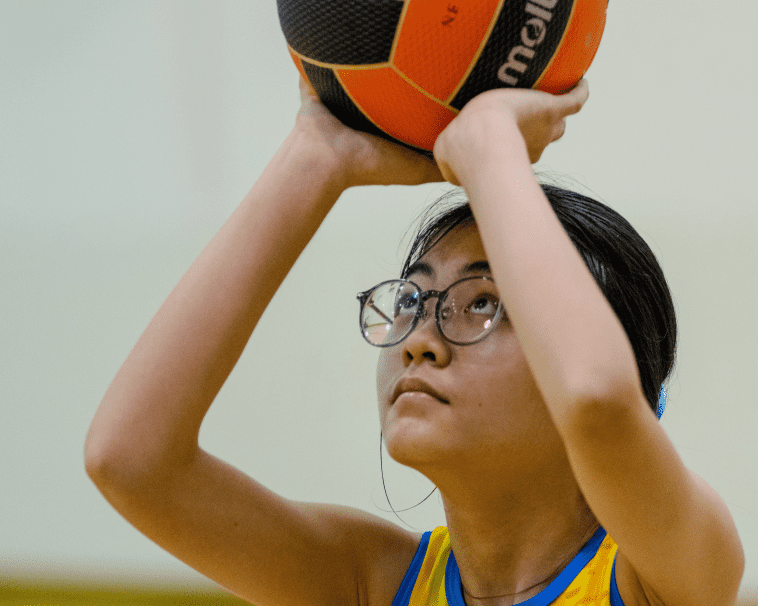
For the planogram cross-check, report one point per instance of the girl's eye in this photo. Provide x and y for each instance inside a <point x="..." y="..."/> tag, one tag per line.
<point x="406" y="304"/>
<point x="484" y="305"/>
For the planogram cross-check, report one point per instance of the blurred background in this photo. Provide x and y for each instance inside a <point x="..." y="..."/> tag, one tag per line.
<point x="130" y="131"/>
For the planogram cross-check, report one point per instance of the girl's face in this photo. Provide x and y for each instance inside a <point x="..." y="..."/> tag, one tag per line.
<point x="445" y="405"/>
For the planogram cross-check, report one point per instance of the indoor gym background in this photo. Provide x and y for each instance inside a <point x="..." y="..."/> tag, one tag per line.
<point x="130" y="131"/>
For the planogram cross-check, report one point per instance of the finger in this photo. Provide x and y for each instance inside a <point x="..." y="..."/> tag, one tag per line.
<point x="429" y="172"/>
<point x="573" y="101"/>
<point x="418" y="168"/>
<point x="306" y="90"/>
<point x="559" y="130"/>
<point x="447" y="174"/>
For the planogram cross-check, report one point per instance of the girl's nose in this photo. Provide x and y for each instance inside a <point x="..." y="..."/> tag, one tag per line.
<point x="425" y="343"/>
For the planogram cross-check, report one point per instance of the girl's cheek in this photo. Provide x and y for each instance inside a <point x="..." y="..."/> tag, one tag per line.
<point x="493" y="348"/>
<point x="487" y="348"/>
<point x="384" y="374"/>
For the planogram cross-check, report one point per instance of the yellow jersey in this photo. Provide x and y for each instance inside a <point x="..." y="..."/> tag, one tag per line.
<point x="589" y="579"/>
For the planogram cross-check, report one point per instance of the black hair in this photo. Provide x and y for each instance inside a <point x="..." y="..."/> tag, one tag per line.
<point x="618" y="258"/>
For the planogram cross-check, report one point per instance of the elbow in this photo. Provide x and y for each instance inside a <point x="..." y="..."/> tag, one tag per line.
<point x="92" y="461"/>
<point x="122" y="478"/>
<point x="127" y="450"/>
<point x="103" y="462"/>
<point x="117" y="463"/>
<point x="134" y="475"/>
<point x="107" y="447"/>
<point x="125" y="481"/>
<point x="95" y="453"/>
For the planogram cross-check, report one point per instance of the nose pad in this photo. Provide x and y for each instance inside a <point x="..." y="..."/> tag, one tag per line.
<point x="423" y="317"/>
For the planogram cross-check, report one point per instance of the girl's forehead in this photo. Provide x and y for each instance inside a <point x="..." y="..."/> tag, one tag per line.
<point x="462" y="241"/>
<point x="454" y="254"/>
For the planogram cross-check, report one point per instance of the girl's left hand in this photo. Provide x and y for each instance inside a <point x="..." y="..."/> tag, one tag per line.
<point x="498" y="117"/>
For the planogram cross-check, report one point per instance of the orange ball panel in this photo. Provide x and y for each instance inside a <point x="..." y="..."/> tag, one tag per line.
<point x="439" y="40"/>
<point x="577" y="49"/>
<point x="299" y="65"/>
<point x="395" y="106"/>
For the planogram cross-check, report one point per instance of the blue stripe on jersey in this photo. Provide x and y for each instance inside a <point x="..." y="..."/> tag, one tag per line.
<point x="615" y="595"/>
<point x="403" y="595"/>
<point x="546" y="596"/>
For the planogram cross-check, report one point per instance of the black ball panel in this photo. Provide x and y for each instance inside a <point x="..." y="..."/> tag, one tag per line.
<point x="356" y="32"/>
<point x="506" y="36"/>
<point x="333" y="96"/>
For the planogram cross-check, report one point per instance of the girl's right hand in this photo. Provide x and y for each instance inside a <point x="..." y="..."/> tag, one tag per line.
<point x="360" y="158"/>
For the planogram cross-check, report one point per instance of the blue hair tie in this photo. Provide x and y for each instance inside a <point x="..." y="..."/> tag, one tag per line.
<point x="661" y="402"/>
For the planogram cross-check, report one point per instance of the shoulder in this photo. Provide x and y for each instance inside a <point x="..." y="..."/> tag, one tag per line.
<point x="381" y="550"/>
<point x="716" y="551"/>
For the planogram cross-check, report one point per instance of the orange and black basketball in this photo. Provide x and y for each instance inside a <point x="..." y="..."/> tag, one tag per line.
<point x="403" y="69"/>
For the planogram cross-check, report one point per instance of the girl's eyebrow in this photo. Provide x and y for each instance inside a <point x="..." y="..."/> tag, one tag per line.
<point x="477" y="267"/>
<point x="419" y="267"/>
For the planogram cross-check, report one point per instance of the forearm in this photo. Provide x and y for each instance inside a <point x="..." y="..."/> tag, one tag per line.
<point x="576" y="347"/>
<point x="151" y="414"/>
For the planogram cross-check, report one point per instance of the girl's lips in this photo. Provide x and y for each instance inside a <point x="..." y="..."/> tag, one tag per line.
<point x="413" y="384"/>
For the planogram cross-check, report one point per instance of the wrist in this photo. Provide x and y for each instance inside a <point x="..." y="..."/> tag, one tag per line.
<point x="494" y="146"/>
<point x="304" y="157"/>
<point x="482" y="139"/>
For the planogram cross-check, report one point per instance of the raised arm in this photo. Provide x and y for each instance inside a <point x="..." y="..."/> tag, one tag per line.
<point x="677" y="542"/>
<point x="142" y="450"/>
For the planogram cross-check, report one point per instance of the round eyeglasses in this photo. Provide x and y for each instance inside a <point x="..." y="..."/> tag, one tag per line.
<point x="466" y="311"/>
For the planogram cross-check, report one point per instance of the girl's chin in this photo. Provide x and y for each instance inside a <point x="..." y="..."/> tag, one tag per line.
<point x="415" y="447"/>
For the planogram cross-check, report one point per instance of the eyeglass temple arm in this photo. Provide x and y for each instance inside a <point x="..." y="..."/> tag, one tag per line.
<point x="381" y="313"/>
<point x="363" y="297"/>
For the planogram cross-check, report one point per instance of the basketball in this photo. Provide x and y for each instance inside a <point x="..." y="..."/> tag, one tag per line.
<point x="404" y="69"/>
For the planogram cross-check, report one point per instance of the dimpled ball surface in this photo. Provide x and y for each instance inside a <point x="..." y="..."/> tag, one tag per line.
<point x="403" y="69"/>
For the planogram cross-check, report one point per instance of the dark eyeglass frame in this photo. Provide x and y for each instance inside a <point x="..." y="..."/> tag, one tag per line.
<point x="424" y="296"/>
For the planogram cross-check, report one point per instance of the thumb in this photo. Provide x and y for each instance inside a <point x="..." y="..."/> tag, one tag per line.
<point x="447" y="173"/>
<point x="573" y="101"/>
<point x="306" y="90"/>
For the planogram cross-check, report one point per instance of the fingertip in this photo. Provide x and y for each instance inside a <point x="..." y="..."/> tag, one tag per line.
<point x="560" y="130"/>
<point x="305" y="87"/>
<point x="583" y="88"/>
<point x="577" y="96"/>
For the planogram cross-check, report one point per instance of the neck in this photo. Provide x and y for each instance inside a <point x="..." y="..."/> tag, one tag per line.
<point x="509" y="545"/>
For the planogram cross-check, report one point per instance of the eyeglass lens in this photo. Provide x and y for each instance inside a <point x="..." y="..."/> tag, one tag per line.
<point x="466" y="311"/>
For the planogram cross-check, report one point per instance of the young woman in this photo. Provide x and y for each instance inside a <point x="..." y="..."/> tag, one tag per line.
<point x="505" y="376"/>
